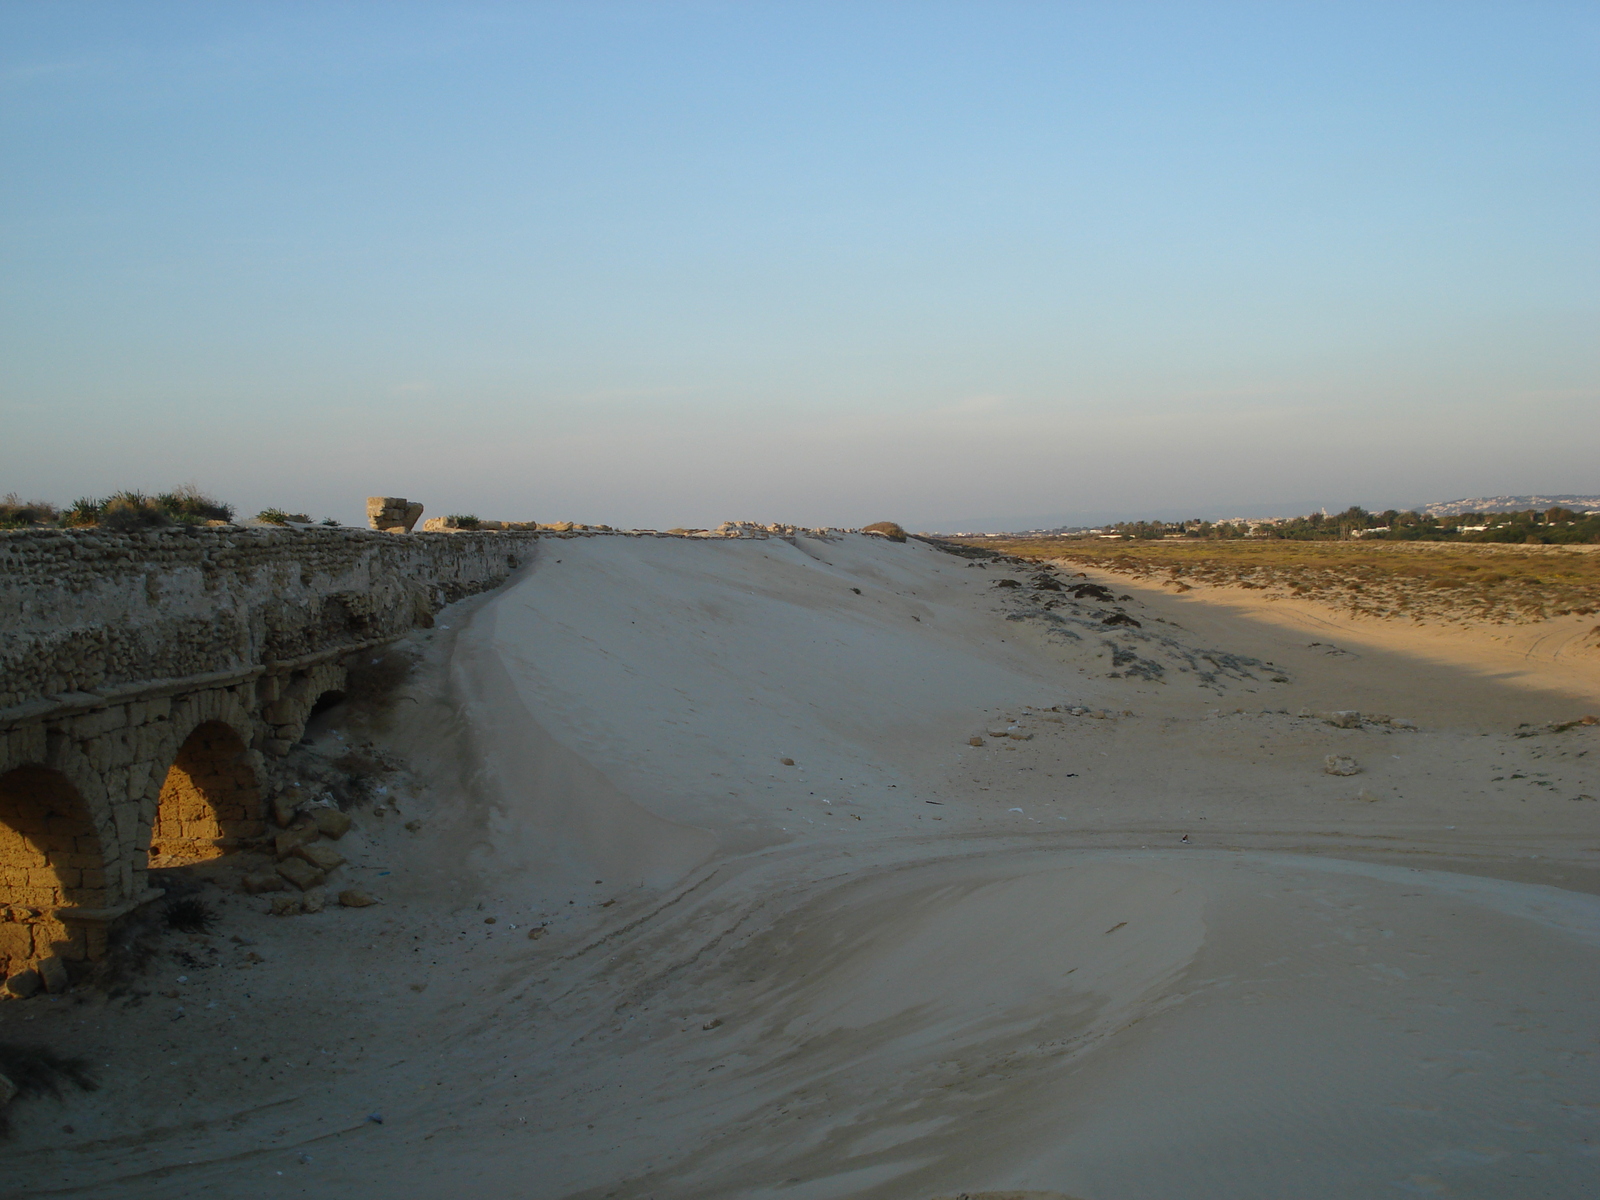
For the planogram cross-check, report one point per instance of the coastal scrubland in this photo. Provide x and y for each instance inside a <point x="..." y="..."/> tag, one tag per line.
<point x="1425" y="581"/>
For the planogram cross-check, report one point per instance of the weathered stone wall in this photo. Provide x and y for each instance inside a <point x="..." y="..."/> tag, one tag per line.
<point x="146" y="681"/>
<point x="87" y="610"/>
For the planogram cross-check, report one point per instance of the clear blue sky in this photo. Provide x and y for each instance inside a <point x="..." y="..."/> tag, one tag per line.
<point x="674" y="263"/>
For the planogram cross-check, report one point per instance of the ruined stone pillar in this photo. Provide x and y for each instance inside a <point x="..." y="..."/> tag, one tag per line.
<point x="392" y="514"/>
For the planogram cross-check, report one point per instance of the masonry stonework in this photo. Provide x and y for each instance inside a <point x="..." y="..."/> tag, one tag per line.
<point x="147" y="681"/>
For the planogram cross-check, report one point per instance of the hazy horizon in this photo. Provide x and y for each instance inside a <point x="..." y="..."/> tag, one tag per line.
<point x="677" y="263"/>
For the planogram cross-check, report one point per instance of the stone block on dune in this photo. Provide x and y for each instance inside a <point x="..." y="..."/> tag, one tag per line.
<point x="301" y="873"/>
<point x="53" y="974"/>
<point x="888" y="529"/>
<point x="324" y="858"/>
<point x="262" y="881"/>
<point x="24" y="984"/>
<point x="290" y="840"/>
<point x="331" y="822"/>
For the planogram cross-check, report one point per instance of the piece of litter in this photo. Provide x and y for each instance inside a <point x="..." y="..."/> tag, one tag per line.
<point x="1013" y="810"/>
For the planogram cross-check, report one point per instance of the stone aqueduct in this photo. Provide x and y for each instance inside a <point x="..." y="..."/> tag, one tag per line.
<point x="148" y="682"/>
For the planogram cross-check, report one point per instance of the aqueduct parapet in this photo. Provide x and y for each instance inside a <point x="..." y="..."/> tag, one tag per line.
<point x="147" y="681"/>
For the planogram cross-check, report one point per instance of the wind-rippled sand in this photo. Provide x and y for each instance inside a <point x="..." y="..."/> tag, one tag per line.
<point x="1115" y="957"/>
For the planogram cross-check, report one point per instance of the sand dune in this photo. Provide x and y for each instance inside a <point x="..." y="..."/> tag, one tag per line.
<point x="1148" y="949"/>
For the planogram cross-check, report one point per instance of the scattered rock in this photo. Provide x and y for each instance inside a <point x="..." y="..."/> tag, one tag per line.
<point x="974" y="741"/>
<point x="712" y="1024"/>
<point x="788" y="762"/>
<point x="301" y="873"/>
<point x="1008" y="583"/>
<point x="356" y="898"/>
<point x="324" y="858"/>
<point x="53" y="974"/>
<point x="1020" y="737"/>
<point x="24" y="984"/>
<point x="284" y="806"/>
<point x="262" y="881"/>
<point x="1401" y="723"/>
<point x="413" y="826"/>
<point x="286" y="906"/>
<point x="1121" y="619"/>
<point x="331" y="822"/>
<point x="888" y="529"/>
<point x="537" y="932"/>
<point x="290" y="840"/>
<point x="490" y="920"/>
<point x="314" y="901"/>
<point x="1347" y="718"/>
<point x="1341" y="764"/>
<point x="1563" y="726"/>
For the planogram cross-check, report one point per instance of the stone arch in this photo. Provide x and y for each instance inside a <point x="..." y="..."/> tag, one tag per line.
<point x="324" y="702"/>
<point x="51" y="859"/>
<point x="289" y="703"/>
<point x="210" y="801"/>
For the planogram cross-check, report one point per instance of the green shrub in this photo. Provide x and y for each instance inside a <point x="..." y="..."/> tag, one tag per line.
<point x="276" y="516"/>
<point x="125" y="512"/>
<point x="82" y="511"/>
<point x="188" y="503"/>
<point x="464" y="520"/>
<point x="17" y="513"/>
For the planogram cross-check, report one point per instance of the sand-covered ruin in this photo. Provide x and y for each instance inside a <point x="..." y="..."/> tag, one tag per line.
<point x="806" y="865"/>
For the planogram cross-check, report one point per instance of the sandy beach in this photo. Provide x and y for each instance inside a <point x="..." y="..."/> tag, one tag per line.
<point x="850" y="873"/>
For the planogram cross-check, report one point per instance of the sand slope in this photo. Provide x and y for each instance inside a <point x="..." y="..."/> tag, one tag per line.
<point x="1147" y="955"/>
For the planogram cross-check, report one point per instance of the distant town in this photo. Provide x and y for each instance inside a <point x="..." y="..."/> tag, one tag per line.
<point x="1564" y="518"/>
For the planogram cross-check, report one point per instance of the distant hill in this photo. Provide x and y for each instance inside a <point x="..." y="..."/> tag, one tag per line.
<point x="1500" y="504"/>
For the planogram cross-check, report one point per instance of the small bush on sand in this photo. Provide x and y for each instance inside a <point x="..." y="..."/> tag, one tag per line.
<point x="888" y="529"/>
<point x="17" y="513"/>
<point x="37" y="1071"/>
<point x="190" y="914"/>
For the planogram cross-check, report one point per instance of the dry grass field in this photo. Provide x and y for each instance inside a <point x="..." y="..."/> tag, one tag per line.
<point x="1426" y="581"/>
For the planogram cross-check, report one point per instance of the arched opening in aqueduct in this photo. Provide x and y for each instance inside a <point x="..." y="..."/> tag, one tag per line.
<point x="325" y="703"/>
<point x="50" y="858"/>
<point x="210" y="801"/>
